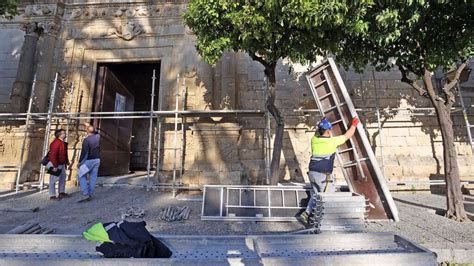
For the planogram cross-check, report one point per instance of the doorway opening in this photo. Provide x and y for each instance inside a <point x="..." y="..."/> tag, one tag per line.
<point x="123" y="87"/>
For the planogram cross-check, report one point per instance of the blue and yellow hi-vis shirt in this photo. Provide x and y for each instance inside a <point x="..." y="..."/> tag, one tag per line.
<point x="323" y="151"/>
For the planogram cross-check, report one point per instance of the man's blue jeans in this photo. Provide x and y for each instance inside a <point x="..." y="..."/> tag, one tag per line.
<point x="88" y="187"/>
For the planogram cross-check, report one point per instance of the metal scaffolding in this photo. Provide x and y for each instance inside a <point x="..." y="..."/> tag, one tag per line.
<point x="179" y="115"/>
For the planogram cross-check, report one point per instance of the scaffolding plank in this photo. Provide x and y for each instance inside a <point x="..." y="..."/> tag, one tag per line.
<point x="362" y="175"/>
<point x="336" y="249"/>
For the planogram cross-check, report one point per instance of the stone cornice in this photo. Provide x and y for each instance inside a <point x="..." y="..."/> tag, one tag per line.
<point x="124" y="10"/>
<point x="88" y="11"/>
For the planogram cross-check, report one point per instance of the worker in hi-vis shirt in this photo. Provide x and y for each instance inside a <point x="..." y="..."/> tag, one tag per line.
<point x="323" y="152"/>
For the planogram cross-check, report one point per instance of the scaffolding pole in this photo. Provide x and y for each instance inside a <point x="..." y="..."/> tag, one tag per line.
<point x="48" y="129"/>
<point x="25" y="136"/>
<point x="71" y="93"/>
<point x="267" y="136"/>
<point x="148" y="167"/>
<point x="183" y="132"/>
<point x="379" y="124"/>
<point x="175" y="138"/>
<point x="138" y="114"/>
<point x="158" y="137"/>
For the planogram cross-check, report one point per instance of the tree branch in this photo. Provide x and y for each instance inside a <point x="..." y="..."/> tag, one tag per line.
<point x="412" y="83"/>
<point x="447" y="88"/>
<point x="259" y="59"/>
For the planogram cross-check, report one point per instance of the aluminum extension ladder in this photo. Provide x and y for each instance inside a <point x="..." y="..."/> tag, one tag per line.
<point x="358" y="162"/>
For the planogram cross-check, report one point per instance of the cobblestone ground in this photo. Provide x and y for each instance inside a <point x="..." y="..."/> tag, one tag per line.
<point x="418" y="218"/>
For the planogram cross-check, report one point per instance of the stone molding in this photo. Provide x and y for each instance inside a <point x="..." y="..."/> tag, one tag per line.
<point x="127" y="31"/>
<point x="123" y="10"/>
<point x="42" y="10"/>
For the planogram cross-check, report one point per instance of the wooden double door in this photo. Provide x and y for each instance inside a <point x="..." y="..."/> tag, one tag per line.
<point x="116" y="133"/>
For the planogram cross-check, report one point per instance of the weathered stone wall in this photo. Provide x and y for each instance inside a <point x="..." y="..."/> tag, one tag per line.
<point x="228" y="150"/>
<point x="10" y="48"/>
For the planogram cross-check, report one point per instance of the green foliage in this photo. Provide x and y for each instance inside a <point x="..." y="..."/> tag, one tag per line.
<point x="273" y="29"/>
<point x="417" y="34"/>
<point x="8" y="8"/>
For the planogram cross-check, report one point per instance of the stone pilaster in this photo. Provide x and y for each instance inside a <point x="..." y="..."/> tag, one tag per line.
<point x="228" y="81"/>
<point x="26" y="68"/>
<point x="45" y="63"/>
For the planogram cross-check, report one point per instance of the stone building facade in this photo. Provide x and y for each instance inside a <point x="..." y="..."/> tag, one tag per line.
<point x="77" y="38"/>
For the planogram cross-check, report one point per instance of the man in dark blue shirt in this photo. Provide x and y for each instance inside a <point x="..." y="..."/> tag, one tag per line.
<point x="89" y="162"/>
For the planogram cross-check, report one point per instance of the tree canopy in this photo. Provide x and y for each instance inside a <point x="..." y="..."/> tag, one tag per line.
<point x="416" y="34"/>
<point x="8" y="8"/>
<point x="270" y="30"/>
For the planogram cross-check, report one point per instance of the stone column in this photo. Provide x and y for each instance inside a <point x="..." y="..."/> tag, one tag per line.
<point x="44" y="68"/>
<point x="227" y="96"/>
<point x="26" y="68"/>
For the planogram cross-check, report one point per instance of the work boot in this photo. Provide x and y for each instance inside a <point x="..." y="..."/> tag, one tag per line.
<point x="84" y="198"/>
<point x="63" y="195"/>
<point x="54" y="198"/>
<point x="304" y="217"/>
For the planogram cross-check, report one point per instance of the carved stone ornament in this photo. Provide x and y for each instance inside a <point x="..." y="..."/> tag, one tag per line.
<point x="127" y="31"/>
<point x="49" y="28"/>
<point x="39" y="10"/>
<point x="142" y="11"/>
<point x="127" y="11"/>
<point x="31" y="28"/>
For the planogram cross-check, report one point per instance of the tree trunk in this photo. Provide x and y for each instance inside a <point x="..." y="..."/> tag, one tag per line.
<point x="454" y="198"/>
<point x="279" y="128"/>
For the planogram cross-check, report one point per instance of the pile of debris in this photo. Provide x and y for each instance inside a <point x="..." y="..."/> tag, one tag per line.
<point x="31" y="228"/>
<point x="133" y="212"/>
<point x="177" y="213"/>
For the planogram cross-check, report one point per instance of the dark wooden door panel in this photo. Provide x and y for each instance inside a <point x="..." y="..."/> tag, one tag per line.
<point x="113" y="96"/>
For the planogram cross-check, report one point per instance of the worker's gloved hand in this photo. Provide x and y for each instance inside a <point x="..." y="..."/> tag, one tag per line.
<point x="355" y="121"/>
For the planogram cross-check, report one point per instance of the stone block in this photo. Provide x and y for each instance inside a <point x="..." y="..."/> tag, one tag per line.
<point x="396" y="131"/>
<point x="247" y="154"/>
<point x="209" y="178"/>
<point x="393" y="172"/>
<point x="397" y="141"/>
<point x="191" y="177"/>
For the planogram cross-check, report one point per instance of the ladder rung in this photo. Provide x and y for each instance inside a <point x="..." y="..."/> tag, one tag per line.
<point x="352" y="163"/>
<point x="325" y="95"/>
<point x="334" y="107"/>
<point x="346" y="150"/>
<point x="337" y="121"/>
<point x="319" y="84"/>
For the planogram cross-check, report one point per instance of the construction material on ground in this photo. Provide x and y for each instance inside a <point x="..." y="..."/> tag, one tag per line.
<point x="335" y="212"/>
<point x="253" y="203"/>
<point x="177" y="213"/>
<point x="335" y="249"/>
<point x="358" y="162"/>
<point x="339" y="212"/>
<point x="35" y="209"/>
<point x="30" y="228"/>
<point x="133" y="212"/>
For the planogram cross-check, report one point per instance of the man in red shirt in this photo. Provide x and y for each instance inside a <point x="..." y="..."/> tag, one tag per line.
<point x="58" y="160"/>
